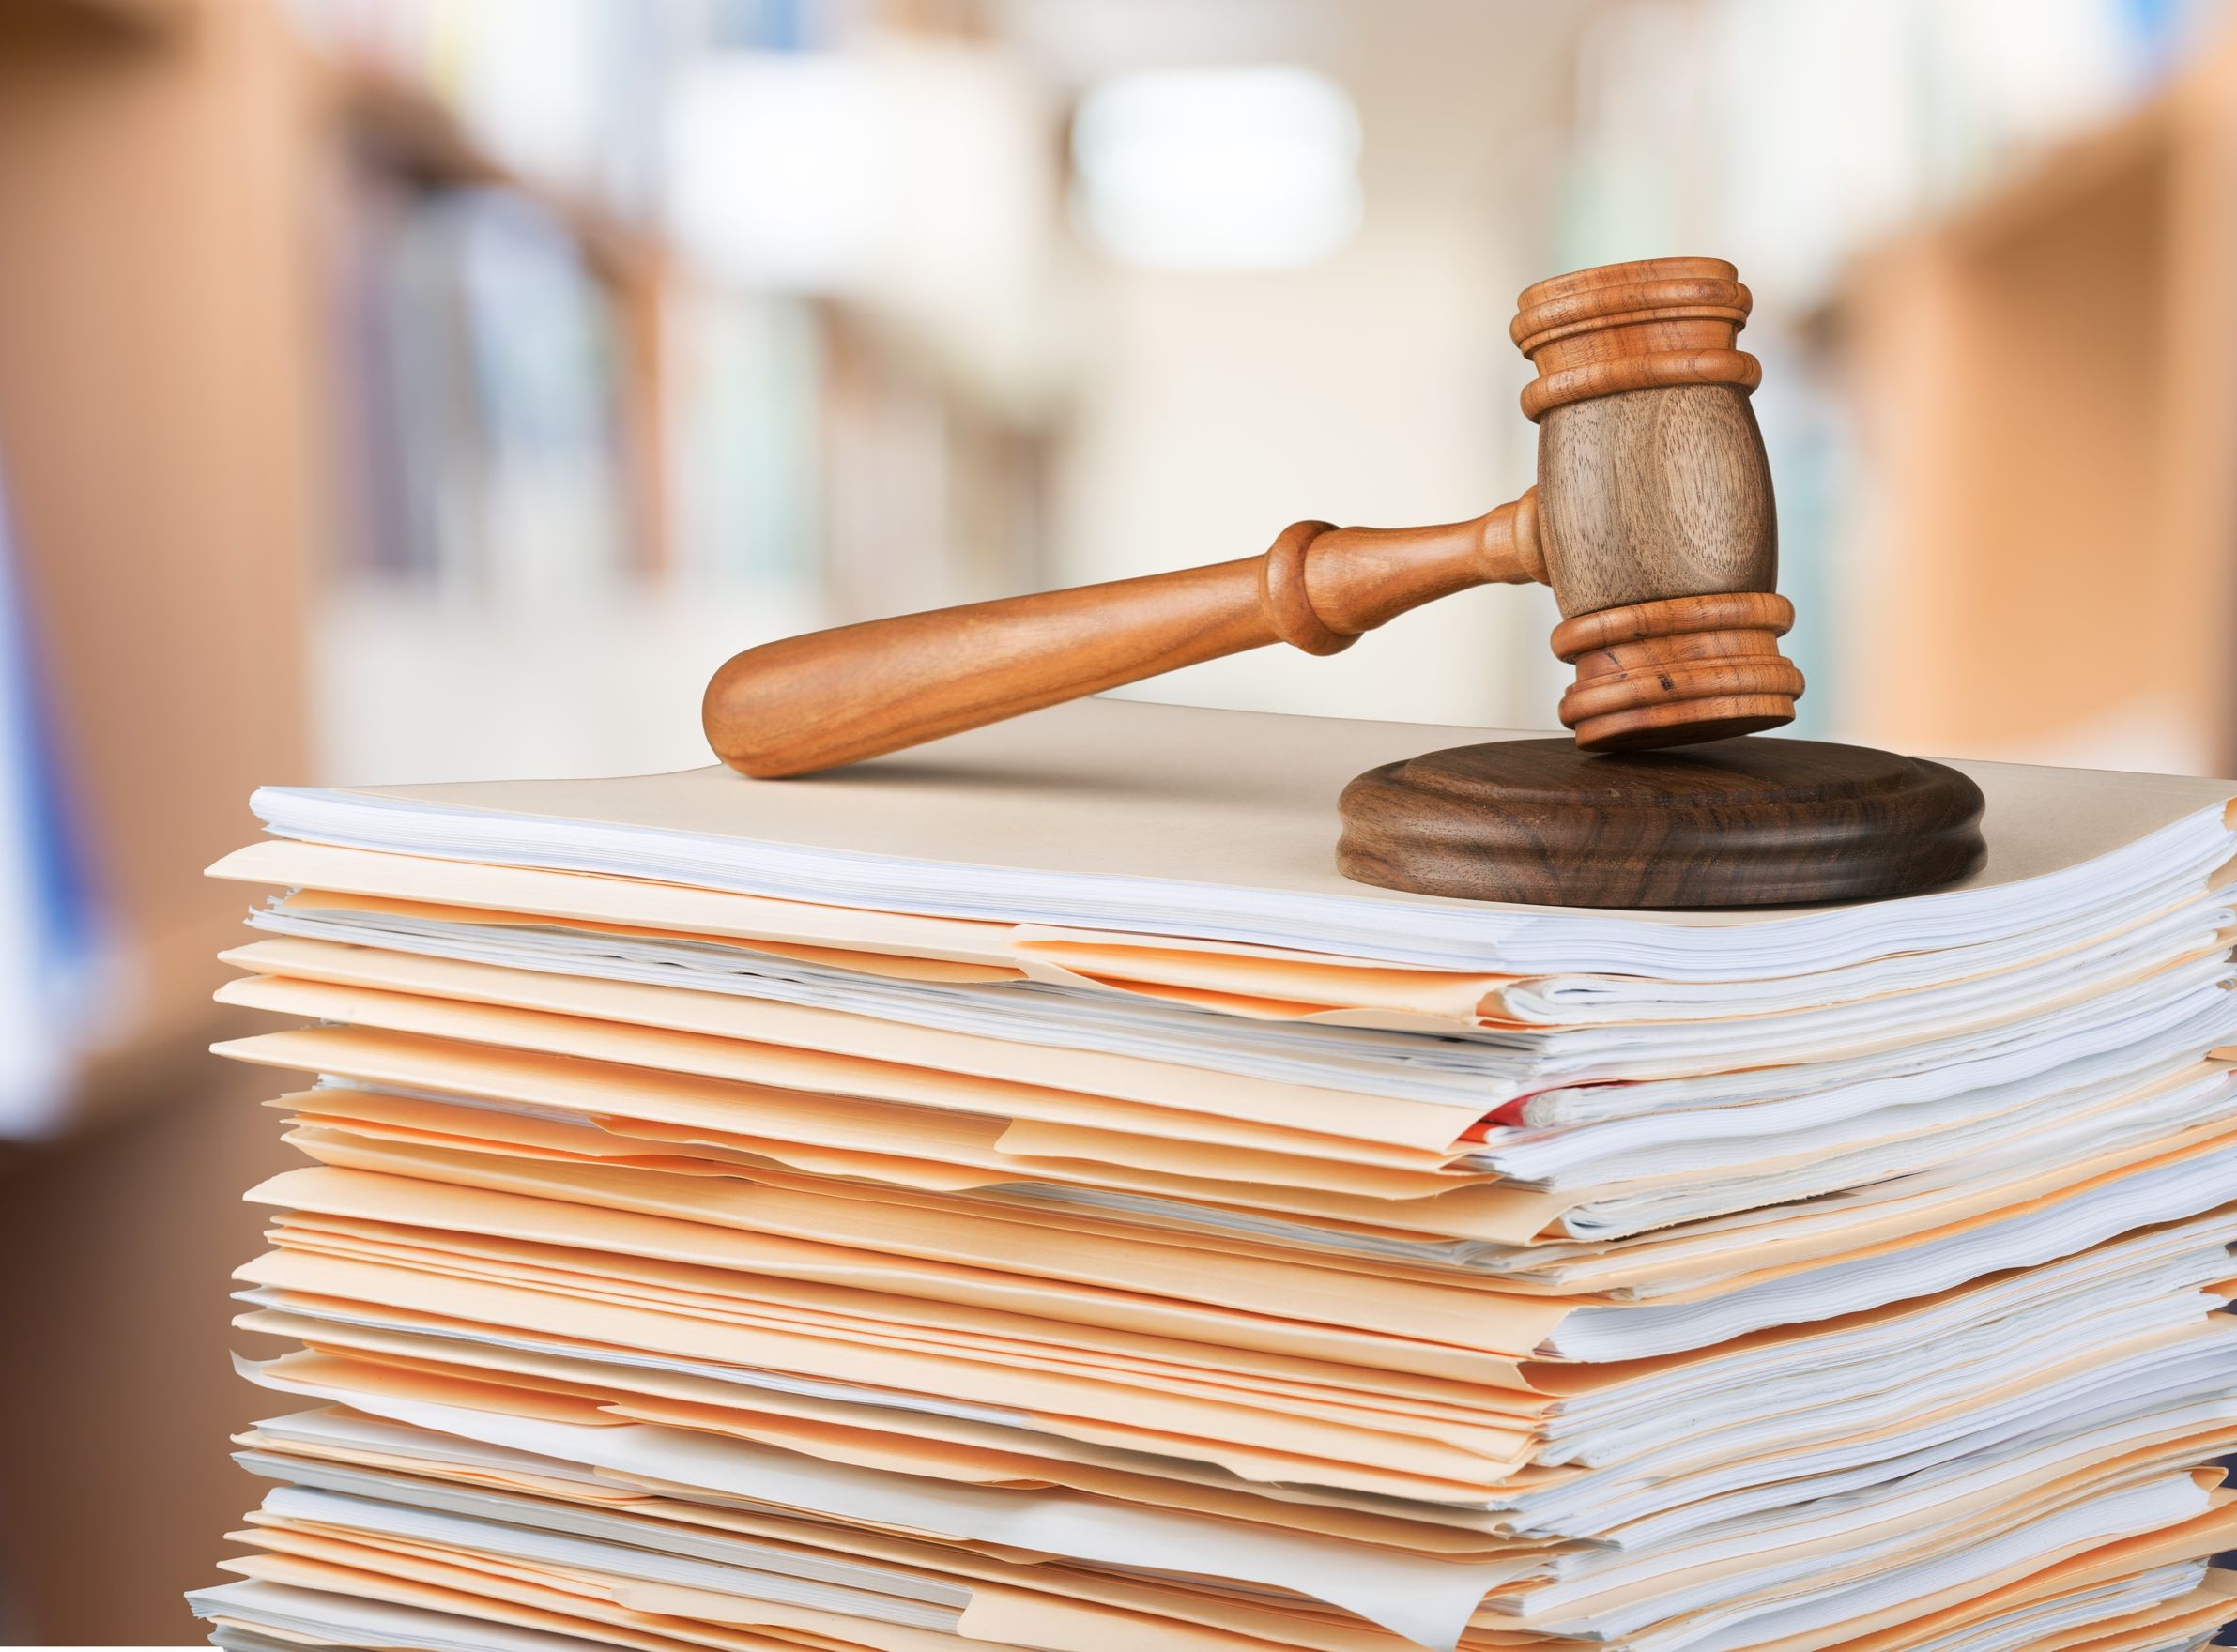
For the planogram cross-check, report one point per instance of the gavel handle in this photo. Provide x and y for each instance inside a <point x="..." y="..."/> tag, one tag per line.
<point x="836" y="696"/>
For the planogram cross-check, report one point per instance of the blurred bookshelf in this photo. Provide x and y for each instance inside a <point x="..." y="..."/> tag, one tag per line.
<point x="2048" y="378"/>
<point x="140" y="20"/>
<point x="231" y="225"/>
<point x="152" y="411"/>
<point x="159" y="462"/>
<point x="382" y="422"/>
<point x="563" y="445"/>
<point x="374" y="427"/>
<point x="1991" y="276"/>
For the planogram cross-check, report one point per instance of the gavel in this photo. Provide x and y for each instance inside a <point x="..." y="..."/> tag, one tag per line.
<point x="1651" y="518"/>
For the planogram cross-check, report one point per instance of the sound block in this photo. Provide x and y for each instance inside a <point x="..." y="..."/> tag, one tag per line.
<point x="1746" y="822"/>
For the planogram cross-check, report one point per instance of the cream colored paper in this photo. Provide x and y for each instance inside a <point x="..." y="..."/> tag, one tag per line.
<point x="727" y="1106"/>
<point x="1059" y="1343"/>
<point x="896" y="1063"/>
<point x="538" y="1209"/>
<point x="1473" y="1207"/>
<point x="416" y="1365"/>
<point x="1107" y="788"/>
<point x="1428" y="1600"/>
<point x="630" y="903"/>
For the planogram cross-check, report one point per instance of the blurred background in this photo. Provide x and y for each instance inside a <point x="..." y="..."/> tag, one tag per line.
<point x="414" y="389"/>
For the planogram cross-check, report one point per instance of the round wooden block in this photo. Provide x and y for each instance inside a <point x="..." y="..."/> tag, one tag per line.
<point x="1738" y="823"/>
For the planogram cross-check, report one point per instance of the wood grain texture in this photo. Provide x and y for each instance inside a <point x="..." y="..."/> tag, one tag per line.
<point x="1652" y="489"/>
<point x="1653" y="493"/>
<point x="1627" y="327"/>
<point x="1678" y="671"/>
<point x="837" y="696"/>
<point x="1738" y="823"/>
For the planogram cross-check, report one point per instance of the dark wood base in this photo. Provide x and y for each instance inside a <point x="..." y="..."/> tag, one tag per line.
<point x="1738" y="823"/>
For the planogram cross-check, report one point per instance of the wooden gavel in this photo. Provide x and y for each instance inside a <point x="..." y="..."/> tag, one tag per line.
<point x="1652" y="520"/>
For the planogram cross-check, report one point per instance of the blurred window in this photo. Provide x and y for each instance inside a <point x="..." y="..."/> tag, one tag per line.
<point x="1218" y="168"/>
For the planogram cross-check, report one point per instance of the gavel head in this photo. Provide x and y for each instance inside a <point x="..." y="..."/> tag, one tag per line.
<point x="1654" y="514"/>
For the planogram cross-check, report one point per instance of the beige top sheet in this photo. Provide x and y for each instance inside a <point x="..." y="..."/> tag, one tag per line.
<point x="1246" y="799"/>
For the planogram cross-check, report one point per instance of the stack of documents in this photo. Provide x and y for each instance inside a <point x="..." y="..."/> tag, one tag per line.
<point x="1016" y="1193"/>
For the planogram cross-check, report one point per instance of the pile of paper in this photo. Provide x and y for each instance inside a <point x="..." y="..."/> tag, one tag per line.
<point x="1016" y="1193"/>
